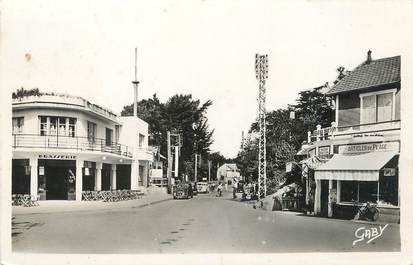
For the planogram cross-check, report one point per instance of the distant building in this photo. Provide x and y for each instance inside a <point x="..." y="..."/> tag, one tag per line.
<point x="356" y="159"/>
<point x="227" y="173"/>
<point x="63" y="145"/>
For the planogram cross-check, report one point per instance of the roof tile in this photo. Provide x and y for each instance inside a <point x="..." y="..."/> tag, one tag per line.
<point x="377" y="72"/>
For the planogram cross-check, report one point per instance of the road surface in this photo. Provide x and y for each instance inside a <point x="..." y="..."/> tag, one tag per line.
<point x="204" y="224"/>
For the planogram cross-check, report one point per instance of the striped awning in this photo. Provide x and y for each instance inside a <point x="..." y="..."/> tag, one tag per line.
<point x="365" y="167"/>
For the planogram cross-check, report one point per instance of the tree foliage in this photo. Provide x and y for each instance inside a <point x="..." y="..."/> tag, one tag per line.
<point x="284" y="136"/>
<point x="179" y="114"/>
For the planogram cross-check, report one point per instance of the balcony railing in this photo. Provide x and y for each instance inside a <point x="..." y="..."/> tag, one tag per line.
<point x="67" y="142"/>
<point x="333" y="131"/>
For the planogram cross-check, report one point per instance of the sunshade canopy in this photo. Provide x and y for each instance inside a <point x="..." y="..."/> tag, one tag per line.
<point x="363" y="167"/>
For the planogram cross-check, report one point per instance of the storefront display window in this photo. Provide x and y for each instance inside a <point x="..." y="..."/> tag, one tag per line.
<point x="349" y="191"/>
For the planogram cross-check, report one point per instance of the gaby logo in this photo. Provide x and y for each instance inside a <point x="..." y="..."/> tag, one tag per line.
<point x="368" y="234"/>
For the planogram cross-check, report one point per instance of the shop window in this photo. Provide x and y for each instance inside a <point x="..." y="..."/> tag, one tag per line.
<point x="367" y="191"/>
<point x="18" y="123"/>
<point x="358" y="191"/>
<point x="349" y="191"/>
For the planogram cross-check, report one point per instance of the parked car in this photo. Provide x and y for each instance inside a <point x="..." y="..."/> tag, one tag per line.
<point x="183" y="191"/>
<point x="202" y="187"/>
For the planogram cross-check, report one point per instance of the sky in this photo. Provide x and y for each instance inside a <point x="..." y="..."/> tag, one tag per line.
<point x="206" y="48"/>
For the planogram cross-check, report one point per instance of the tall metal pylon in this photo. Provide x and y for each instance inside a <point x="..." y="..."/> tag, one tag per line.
<point x="261" y="73"/>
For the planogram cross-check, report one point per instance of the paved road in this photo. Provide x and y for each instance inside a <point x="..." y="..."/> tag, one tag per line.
<point x="205" y="224"/>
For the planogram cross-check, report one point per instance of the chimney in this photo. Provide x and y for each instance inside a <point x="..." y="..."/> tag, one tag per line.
<point x="368" y="57"/>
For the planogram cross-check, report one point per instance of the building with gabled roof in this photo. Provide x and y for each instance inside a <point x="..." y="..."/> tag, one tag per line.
<point x="362" y="146"/>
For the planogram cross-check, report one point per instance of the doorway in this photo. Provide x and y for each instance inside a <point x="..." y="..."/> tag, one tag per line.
<point x="324" y="198"/>
<point x="60" y="178"/>
<point x="106" y="172"/>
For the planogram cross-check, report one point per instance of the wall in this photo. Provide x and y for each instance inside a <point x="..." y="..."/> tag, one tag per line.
<point x="349" y="109"/>
<point x="131" y="128"/>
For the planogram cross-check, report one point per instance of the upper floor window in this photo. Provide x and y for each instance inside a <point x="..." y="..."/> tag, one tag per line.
<point x="141" y="139"/>
<point x="377" y="106"/>
<point x="18" y="123"/>
<point x="117" y="133"/>
<point x="109" y="137"/>
<point x="91" y="131"/>
<point x="62" y="126"/>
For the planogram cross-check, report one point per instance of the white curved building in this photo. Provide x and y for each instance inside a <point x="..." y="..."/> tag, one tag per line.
<point x="63" y="145"/>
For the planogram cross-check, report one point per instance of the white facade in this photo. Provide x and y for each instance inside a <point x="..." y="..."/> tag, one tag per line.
<point x="228" y="172"/>
<point x="64" y="144"/>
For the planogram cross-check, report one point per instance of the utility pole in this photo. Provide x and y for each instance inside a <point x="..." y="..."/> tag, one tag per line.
<point x="176" y="160"/>
<point x="177" y="145"/>
<point x="209" y="170"/>
<point x="135" y="86"/>
<point x="261" y="73"/>
<point x="196" y="168"/>
<point x="169" y="169"/>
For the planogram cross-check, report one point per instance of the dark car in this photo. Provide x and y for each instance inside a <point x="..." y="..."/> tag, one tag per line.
<point x="183" y="191"/>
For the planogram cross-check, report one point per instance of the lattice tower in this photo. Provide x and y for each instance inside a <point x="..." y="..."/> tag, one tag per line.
<point x="261" y="73"/>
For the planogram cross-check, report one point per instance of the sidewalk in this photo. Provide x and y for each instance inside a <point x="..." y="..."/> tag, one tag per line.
<point x="151" y="197"/>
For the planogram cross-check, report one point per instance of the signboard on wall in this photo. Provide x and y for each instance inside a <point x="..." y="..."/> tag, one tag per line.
<point x="324" y="151"/>
<point x="155" y="173"/>
<point x="389" y="172"/>
<point x="369" y="147"/>
<point x="51" y="156"/>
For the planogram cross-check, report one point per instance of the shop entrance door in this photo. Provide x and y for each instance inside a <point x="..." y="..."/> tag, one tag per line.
<point x="324" y="198"/>
<point x="59" y="175"/>
<point x="106" y="172"/>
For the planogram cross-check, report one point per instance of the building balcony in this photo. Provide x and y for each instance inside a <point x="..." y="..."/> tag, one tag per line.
<point x="321" y="134"/>
<point x="70" y="143"/>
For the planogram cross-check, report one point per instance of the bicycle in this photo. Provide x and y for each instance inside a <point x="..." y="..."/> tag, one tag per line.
<point x="367" y="212"/>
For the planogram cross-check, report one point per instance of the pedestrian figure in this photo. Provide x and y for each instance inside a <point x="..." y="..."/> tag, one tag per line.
<point x="219" y="190"/>
<point x="234" y="189"/>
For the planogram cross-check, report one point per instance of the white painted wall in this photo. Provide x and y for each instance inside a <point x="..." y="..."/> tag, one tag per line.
<point x="131" y="128"/>
<point x="31" y="120"/>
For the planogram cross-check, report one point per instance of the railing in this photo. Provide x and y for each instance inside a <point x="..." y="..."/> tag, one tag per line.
<point x="327" y="133"/>
<point x="67" y="142"/>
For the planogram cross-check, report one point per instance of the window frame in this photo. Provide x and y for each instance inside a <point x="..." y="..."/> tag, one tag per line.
<point x="375" y="94"/>
<point x="90" y="124"/>
<point x="18" y="129"/>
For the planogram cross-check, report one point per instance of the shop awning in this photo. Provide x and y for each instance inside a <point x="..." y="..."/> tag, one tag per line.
<point x="363" y="167"/>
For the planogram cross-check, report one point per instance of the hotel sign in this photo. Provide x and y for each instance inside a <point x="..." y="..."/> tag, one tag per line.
<point x="70" y="157"/>
<point x="368" y="148"/>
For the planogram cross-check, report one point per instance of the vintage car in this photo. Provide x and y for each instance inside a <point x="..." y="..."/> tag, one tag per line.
<point x="182" y="191"/>
<point x="202" y="187"/>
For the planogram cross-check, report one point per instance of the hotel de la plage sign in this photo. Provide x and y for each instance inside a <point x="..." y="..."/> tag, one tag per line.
<point x="369" y="147"/>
